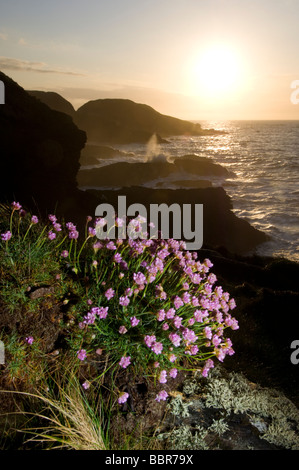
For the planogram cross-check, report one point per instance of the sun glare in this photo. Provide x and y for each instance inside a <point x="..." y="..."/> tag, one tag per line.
<point x="215" y="72"/>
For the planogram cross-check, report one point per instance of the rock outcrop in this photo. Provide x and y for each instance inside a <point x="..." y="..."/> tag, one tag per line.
<point x="221" y="228"/>
<point x="133" y="174"/>
<point x="123" y="121"/>
<point x="40" y="150"/>
<point x="54" y="101"/>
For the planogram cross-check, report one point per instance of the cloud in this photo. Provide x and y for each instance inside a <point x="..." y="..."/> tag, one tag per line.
<point x="22" y="42"/>
<point x="27" y="66"/>
<point x="3" y="36"/>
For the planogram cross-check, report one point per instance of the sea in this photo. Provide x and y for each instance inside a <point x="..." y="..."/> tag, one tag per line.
<point x="263" y="160"/>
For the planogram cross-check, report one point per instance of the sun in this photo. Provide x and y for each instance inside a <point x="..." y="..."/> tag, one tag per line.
<point x="216" y="71"/>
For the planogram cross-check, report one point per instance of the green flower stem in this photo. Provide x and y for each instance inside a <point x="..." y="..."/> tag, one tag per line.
<point x="27" y="232"/>
<point x="11" y="217"/>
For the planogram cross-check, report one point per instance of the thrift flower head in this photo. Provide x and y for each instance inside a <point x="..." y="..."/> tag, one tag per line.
<point x="16" y="206"/>
<point x="134" y="321"/>
<point x="157" y="347"/>
<point x="124" y="301"/>
<point x="86" y="385"/>
<point x="162" y="396"/>
<point x="123" y="397"/>
<point x="57" y="227"/>
<point x="51" y="235"/>
<point x="73" y="234"/>
<point x="29" y="339"/>
<point x="175" y="339"/>
<point x="162" y="377"/>
<point x="139" y="278"/>
<point x="149" y="340"/>
<point x="52" y="218"/>
<point x="64" y="254"/>
<point x="34" y="219"/>
<point x="109" y="293"/>
<point x="6" y="236"/>
<point x="125" y="361"/>
<point x="81" y="354"/>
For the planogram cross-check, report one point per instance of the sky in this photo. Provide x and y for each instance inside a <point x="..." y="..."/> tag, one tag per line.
<point x="192" y="59"/>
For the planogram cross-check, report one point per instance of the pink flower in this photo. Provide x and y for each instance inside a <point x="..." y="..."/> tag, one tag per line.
<point x="173" y="373"/>
<point x="16" y="206"/>
<point x="109" y="293"/>
<point x="34" y="219"/>
<point x="86" y="385"/>
<point x="111" y="246"/>
<point x="177" y="321"/>
<point x="91" y="231"/>
<point x="192" y="350"/>
<point x="189" y="336"/>
<point x="149" y="340"/>
<point x="64" y="254"/>
<point x="81" y="354"/>
<point x="69" y="225"/>
<point x="117" y="257"/>
<point x="6" y="236"/>
<point x="89" y="318"/>
<point x="157" y="348"/>
<point x="162" y="396"/>
<point x="178" y="302"/>
<point x="186" y="297"/>
<point x="162" y="377"/>
<point x="52" y="218"/>
<point x="51" y="235"/>
<point x="102" y="312"/>
<point x="122" y="330"/>
<point x="170" y="313"/>
<point x="123" y="397"/>
<point x="172" y="358"/>
<point x="208" y="332"/>
<point x="139" y="278"/>
<point x="29" y="339"/>
<point x="119" y="222"/>
<point x="175" y="339"/>
<point x="57" y="227"/>
<point x="125" y="361"/>
<point x="161" y="315"/>
<point x="124" y="300"/>
<point x="134" y="321"/>
<point x="73" y="234"/>
<point x="129" y="291"/>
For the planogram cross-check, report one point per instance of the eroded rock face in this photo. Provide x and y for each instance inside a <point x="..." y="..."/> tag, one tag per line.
<point x="40" y="149"/>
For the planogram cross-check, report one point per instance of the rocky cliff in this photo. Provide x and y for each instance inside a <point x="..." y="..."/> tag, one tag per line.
<point x="54" y="101"/>
<point x="40" y="149"/>
<point x="123" y="121"/>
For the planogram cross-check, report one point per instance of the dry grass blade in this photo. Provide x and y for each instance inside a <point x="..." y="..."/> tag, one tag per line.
<point x="71" y="422"/>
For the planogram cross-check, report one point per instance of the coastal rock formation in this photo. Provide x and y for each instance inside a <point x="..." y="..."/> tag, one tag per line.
<point x="133" y="174"/>
<point x="54" y="101"/>
<point x="40" y="150"/>
<point x="221" y="228"/>
<point x="123" y="121"/>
